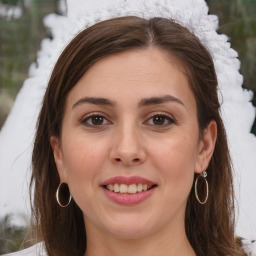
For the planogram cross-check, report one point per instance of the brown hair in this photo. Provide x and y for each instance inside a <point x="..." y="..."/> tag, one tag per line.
<point x="209" y="227"/>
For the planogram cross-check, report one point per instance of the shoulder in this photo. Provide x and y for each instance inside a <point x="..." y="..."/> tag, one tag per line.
<point x="250" y="247"/>
<point x="35" y="250"/>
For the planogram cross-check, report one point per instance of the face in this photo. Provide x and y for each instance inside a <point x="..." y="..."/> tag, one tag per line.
<point x="130" y="125"/>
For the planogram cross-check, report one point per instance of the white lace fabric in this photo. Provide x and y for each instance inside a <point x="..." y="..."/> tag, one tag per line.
<point x="237" y="110"/>
<point x="192" y="14"/>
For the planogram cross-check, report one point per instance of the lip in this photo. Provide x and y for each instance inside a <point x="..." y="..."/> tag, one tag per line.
<point x="128" y="199"/>
<point x="128" y="181"/>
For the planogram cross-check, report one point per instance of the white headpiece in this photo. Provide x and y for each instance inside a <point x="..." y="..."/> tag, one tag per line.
<point x="237" y="111"/>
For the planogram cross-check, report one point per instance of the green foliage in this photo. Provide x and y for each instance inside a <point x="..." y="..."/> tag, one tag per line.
<point x="238" y="21"/>
<point x="10" y="2"/>
<point x="20" y="39"/>
<point x="11" y="237"/>
<point x="19" y="42"/>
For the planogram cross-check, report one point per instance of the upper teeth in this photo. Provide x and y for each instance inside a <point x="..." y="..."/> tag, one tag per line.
<point x="131" y="189"/>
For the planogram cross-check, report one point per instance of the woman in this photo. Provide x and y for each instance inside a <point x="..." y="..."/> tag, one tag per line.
<point x="130" y="154"/>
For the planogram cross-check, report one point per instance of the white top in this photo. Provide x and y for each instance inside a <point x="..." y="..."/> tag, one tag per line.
<point x="38" y="250"/>
<point x="35" y="250"/>
<point x="250" y="247"/>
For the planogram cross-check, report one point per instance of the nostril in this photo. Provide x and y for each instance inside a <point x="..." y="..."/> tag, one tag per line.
<point x="135" y="160"/>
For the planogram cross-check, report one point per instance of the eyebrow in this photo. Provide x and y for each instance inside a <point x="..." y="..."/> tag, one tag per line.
<point x="144" y="102"/>
<point x="159" y="100"/>
<point x="94" y="101"/>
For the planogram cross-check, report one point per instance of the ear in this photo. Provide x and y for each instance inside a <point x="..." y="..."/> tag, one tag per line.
<point x="58" y="157"/>
<point x="206" y="147"/>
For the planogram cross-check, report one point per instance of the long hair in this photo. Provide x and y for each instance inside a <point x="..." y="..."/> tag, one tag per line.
<point x="209" y="227"/>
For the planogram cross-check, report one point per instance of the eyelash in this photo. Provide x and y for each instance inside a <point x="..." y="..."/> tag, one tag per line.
<point x="93" y="115"/>
<point x="165" y="116"/>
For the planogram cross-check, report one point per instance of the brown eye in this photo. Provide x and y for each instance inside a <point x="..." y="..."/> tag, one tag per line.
<point x="160" y="120"/>
<point x="95" y="120"/>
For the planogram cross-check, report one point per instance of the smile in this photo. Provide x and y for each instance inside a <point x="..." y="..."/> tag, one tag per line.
<point x="128" y="189"/>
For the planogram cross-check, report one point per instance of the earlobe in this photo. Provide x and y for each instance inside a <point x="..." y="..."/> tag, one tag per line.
<point x="58" y="157"/>
<point x="206" y="147"/>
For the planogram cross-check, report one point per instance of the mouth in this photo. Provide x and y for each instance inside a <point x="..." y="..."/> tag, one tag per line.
<point x="128" y="189"/>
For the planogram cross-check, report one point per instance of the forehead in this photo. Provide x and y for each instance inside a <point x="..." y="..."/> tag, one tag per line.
<point x="134" y="73"/>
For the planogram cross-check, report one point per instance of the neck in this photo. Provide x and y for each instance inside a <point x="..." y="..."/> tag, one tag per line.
<point x="162" y="243"/>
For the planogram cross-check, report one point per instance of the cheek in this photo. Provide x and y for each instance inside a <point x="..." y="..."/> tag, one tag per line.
<point x="82" y="159"/>
<point x="175" y="159"/>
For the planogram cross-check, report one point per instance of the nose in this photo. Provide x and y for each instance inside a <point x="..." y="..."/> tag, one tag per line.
<point x="127" y="147"/>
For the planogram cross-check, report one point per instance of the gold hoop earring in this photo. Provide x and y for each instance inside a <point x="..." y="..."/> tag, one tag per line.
<point x="202" y="175"/>
<point x="65" y="190"/>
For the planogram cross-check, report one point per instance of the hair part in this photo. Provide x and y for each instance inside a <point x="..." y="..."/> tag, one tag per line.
<point x="209" y="228"/>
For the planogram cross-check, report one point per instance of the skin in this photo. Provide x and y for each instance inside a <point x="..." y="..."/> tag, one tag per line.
<point x="159" y="142"/>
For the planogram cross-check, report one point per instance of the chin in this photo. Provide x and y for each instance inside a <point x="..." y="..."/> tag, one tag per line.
<point x="130" y="230"/>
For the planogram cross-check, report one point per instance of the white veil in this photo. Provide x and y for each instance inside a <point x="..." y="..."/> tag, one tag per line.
<point x="16" y="137"/>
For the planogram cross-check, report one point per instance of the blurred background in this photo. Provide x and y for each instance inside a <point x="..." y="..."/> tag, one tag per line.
<point x="22" y="29"/>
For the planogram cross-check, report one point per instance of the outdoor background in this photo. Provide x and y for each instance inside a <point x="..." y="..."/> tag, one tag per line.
<point x="21" y="31"/>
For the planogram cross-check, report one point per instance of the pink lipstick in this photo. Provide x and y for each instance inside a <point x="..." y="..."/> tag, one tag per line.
<point x="128" y="190"/>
